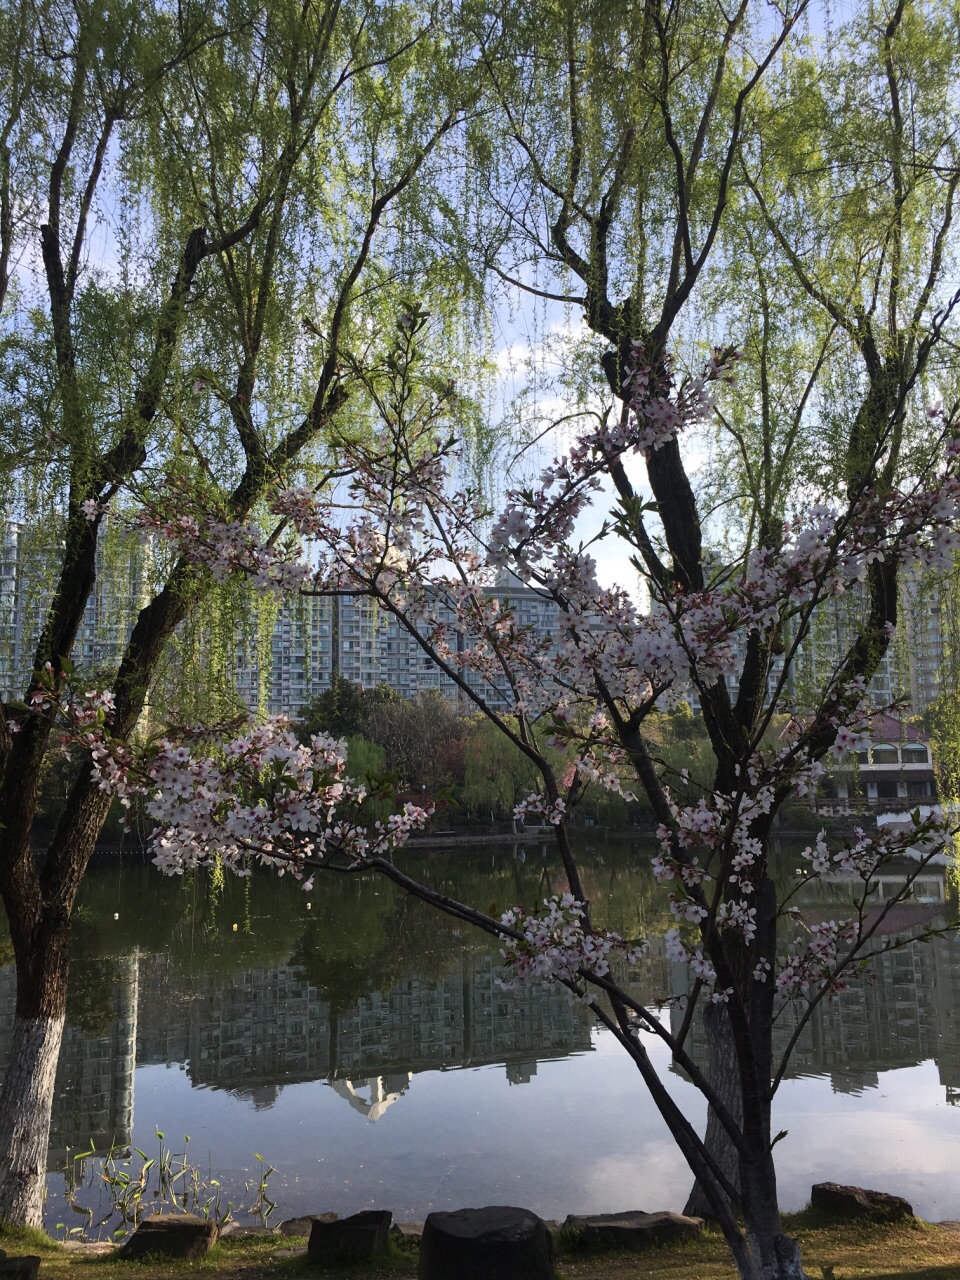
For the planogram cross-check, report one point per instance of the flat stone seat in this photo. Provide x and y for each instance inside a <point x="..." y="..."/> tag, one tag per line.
<point x="171" y="1235"/>
<point x="842" y="1201"/>
<point x="234" y="1230"/>
<point x="362" y="1235"/>
<point x="494" y="1243"/>
<point x="635" y="1230"/>
<point x="24" y="1266"/>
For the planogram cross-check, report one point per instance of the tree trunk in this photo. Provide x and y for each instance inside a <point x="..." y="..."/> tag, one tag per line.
<point x="723" y="1074"/>
<point x="26" y="1102"/>
<point x="775" y="1256"/>
<point x="26" y="1099"/>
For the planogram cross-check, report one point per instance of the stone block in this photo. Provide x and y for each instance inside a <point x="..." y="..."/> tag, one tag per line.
<point x="304" y="1225"/>
<point x="24" y="1267"/>
<point x="171" y="1235"/>
<point x="362" y="1235"/>
<point x="495" y="1243"/>
<point x="841" y="1201"/>
<point x="634" y="1230"/>
<point x="233" y="1230"/>
<point x="407" y="1230"/>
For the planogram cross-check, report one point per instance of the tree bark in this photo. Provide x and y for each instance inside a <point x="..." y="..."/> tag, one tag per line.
<point x="776" y="1256"/>
<point x="26" y="1103"/>
<point x="723" y="1075"/>
<point x="26" y="1099"/>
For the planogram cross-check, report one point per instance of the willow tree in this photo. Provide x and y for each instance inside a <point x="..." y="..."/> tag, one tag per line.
<point x="204" y="209"/>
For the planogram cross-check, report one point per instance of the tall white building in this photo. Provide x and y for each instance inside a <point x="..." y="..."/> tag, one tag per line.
<point x="912" y="671"/>
<point x="27" y="580"/>
<point x="317" y="639"/>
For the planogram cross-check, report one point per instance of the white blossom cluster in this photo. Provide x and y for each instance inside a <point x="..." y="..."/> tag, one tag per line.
<point x="262" y="796"/>
<point x="556" y="945"/>
<point x="539" y="806"/>
<point x="658" y="408"/>
<point x="814" y="967"/>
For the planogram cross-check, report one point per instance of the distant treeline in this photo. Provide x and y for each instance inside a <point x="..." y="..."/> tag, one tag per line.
<point x="437" y="749"/>
<point x="432" y="749"/>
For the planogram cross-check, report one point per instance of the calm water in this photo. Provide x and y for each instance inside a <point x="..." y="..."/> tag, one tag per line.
<point x="361" y="1044"/>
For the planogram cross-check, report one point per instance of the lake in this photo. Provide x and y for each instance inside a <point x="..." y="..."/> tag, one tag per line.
<point x="362" y="1046"/>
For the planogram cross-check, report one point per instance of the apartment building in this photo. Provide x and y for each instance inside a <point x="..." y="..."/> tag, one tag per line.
<point x="125" y="580"/>
<point x="912" y="672"/>
<point x="316" y="639"/>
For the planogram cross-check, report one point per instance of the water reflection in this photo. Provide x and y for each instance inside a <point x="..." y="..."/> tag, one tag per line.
<point x="247" y="992"/>
<point x="903" y="1012"/>
<point x="269" y="1027"/>
<point x="384" y="1091"/>
<point x="369" y="991"/>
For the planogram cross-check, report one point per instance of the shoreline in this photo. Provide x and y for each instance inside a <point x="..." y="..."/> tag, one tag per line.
<point x="464" y="838"/>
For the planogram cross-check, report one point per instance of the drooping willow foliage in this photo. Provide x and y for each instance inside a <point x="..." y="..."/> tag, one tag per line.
<point x="288" y="166"/>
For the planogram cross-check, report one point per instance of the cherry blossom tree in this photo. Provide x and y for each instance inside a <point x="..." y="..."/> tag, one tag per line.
<point x="408" y="532"/>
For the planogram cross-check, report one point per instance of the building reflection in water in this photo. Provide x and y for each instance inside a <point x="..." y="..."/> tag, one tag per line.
<point x="905" y="1011"/>
<point x="383" y="1092"/>
<point x="257" y="1030"/>
<point x="261" y="1029"/>
<point x="270" y="1026"/>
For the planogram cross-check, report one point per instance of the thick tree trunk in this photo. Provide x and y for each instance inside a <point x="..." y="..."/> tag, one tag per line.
<point x="26" y="1099"/>
<point x="776" y="1256"/>
<point x="723" y="1074"/>
<point x="26" y="1102"/>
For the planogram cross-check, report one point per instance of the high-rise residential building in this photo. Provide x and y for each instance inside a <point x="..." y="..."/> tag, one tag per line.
<point x="124" y="581"/>
<point x="915" y="668"/>
<point x="312" y="641"/>
<point x="912" y="672"/>
<point x="923" y="643"/>
<point x="315" y="639"/>
<point x="24" y="591"/>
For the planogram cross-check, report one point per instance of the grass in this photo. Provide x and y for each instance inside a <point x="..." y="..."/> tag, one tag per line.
<point x="851" y="1251"/>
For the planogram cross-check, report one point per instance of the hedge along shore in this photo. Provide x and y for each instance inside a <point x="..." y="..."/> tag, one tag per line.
<point x="908" y="1250"/>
